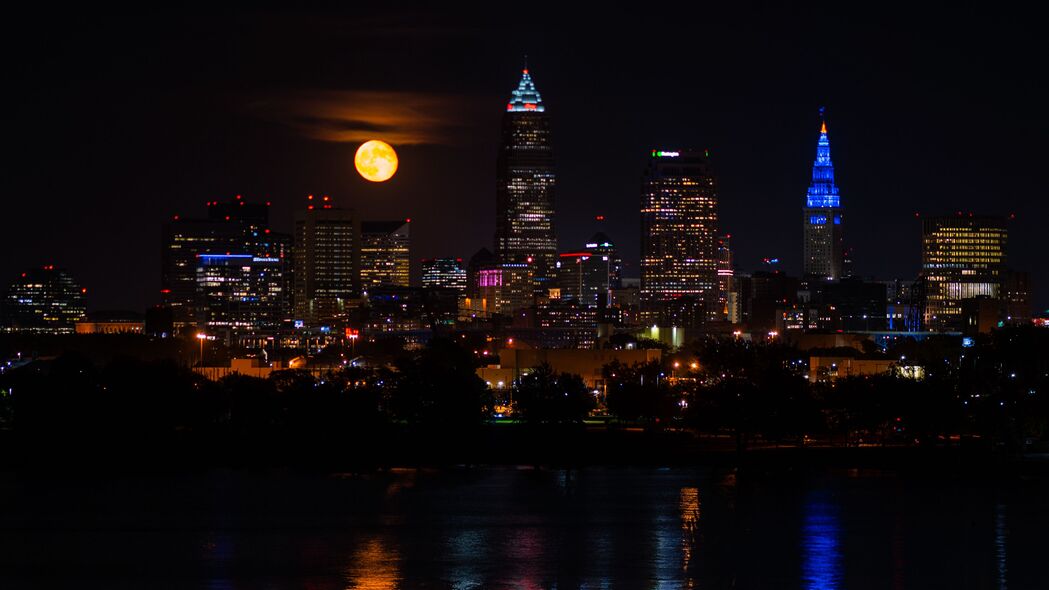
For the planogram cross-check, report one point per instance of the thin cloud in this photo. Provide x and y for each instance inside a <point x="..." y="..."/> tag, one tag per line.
<point x="353" y="116"/>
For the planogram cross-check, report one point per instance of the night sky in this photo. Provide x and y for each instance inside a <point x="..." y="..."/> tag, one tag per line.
<point x="113" y="123"/>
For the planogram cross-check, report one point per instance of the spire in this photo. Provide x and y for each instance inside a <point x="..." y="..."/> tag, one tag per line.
<point x="823" y="192"/>
<point x="525" y="97"/>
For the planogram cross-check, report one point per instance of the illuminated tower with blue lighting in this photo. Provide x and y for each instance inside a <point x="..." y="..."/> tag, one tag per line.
<point x="524" y="223"/>
<point x="823" y="217"/>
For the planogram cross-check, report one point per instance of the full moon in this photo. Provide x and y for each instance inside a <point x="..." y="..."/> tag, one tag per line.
<point x="376" y="161"/>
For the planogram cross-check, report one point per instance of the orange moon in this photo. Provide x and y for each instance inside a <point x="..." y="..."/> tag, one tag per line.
<point x="376" y="161"/>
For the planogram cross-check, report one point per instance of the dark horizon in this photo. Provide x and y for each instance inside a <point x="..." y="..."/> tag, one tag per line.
<point x="116" y="123"/>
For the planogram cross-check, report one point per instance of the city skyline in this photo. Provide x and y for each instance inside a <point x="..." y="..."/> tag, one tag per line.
<point x="763" y="155"/>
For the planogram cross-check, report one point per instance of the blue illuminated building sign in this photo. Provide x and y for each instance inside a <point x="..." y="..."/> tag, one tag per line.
<point x="224" y="256"/>
<point x="820" y="219"/>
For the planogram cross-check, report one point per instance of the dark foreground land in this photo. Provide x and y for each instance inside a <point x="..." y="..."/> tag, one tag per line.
<point x="395" y="446"/>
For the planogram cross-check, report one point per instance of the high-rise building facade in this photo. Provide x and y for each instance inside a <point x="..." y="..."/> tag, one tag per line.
<point x="504" y="289"/>
<point x="679" y="228"/>
<point x="385" y="257"/>
<point x="44" y="300"/>
<point x="728" y="301"/>
<point x="444" y="273"/>
<point x="240" y="297"/>
<point x="233" y="228"/>
<point x="823" y="249"/>
<point x="524" y="223"/>
<point x="963" y="257"/>
<point x="588" y="276"/>
<point x="327" y="275"/>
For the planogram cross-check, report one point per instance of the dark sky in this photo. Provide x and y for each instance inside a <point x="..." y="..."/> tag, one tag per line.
<point x="112" y="123"/>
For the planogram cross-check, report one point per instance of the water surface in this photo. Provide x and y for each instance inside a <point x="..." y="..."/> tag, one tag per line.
<point x="524" y="528"/>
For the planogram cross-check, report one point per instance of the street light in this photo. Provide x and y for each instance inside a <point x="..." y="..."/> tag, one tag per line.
<point x="202" y="337"/>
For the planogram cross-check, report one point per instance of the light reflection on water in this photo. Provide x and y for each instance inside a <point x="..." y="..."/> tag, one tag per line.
<point x="508" y="529"/>
<point x="374" y="566"/>
<point x="820" y="542"/>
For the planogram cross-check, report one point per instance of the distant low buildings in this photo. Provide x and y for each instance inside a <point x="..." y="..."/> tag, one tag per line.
<point x="515" y="362"/>
<point x="111" y="322"/>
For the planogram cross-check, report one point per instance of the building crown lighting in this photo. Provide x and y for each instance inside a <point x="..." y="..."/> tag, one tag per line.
<point x="823" y="192"/>
<point x="525" y="97"/>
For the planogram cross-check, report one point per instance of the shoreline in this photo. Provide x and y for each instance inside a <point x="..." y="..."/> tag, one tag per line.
<point x="389" y="448"/>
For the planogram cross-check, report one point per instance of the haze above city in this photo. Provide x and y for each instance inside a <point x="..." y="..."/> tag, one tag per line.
<point x="115" y="123"/>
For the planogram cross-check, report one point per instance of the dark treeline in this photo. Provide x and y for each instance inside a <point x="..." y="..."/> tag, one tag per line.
<point x="431" y="404"/>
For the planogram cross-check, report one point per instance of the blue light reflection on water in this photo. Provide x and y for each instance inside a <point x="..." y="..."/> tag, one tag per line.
<point x="820" y="542"/>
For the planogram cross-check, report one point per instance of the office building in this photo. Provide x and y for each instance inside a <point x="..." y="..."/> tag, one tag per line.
<point x="1016" y="298"/>
<point x="235" y="227"/>
<point x="963" y="257"/>
<point x="679" y="221"/>
<point x="385" y="258"/>
<point x="240" y="298"/>
<point x="524" y="223"/>
<point x="44" y="300"/>
<point x="728" y="299"/>
<point x="327" y="276"/>
<point x="444" y="273"/>
<point x="823" y="249"/>
<point x="588" y="276"/>
<point x="504" y="289"/>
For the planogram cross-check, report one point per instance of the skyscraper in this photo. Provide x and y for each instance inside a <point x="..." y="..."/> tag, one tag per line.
<point x="326" y="251"/>
<point x="385" y="254"/>
<point x="524" y="223"/>
<point x="679" y="225"/>
<point x="822" y="218"/>
<point x="963" y="257"/>
<point x="728" y="301"/>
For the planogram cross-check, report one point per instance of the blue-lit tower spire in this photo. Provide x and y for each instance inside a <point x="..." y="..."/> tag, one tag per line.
<point x="823" y="192"/>
<point x="824" y="251"/>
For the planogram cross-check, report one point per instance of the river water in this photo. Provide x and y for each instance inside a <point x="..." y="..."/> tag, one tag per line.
<point x="524" y="528"/>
